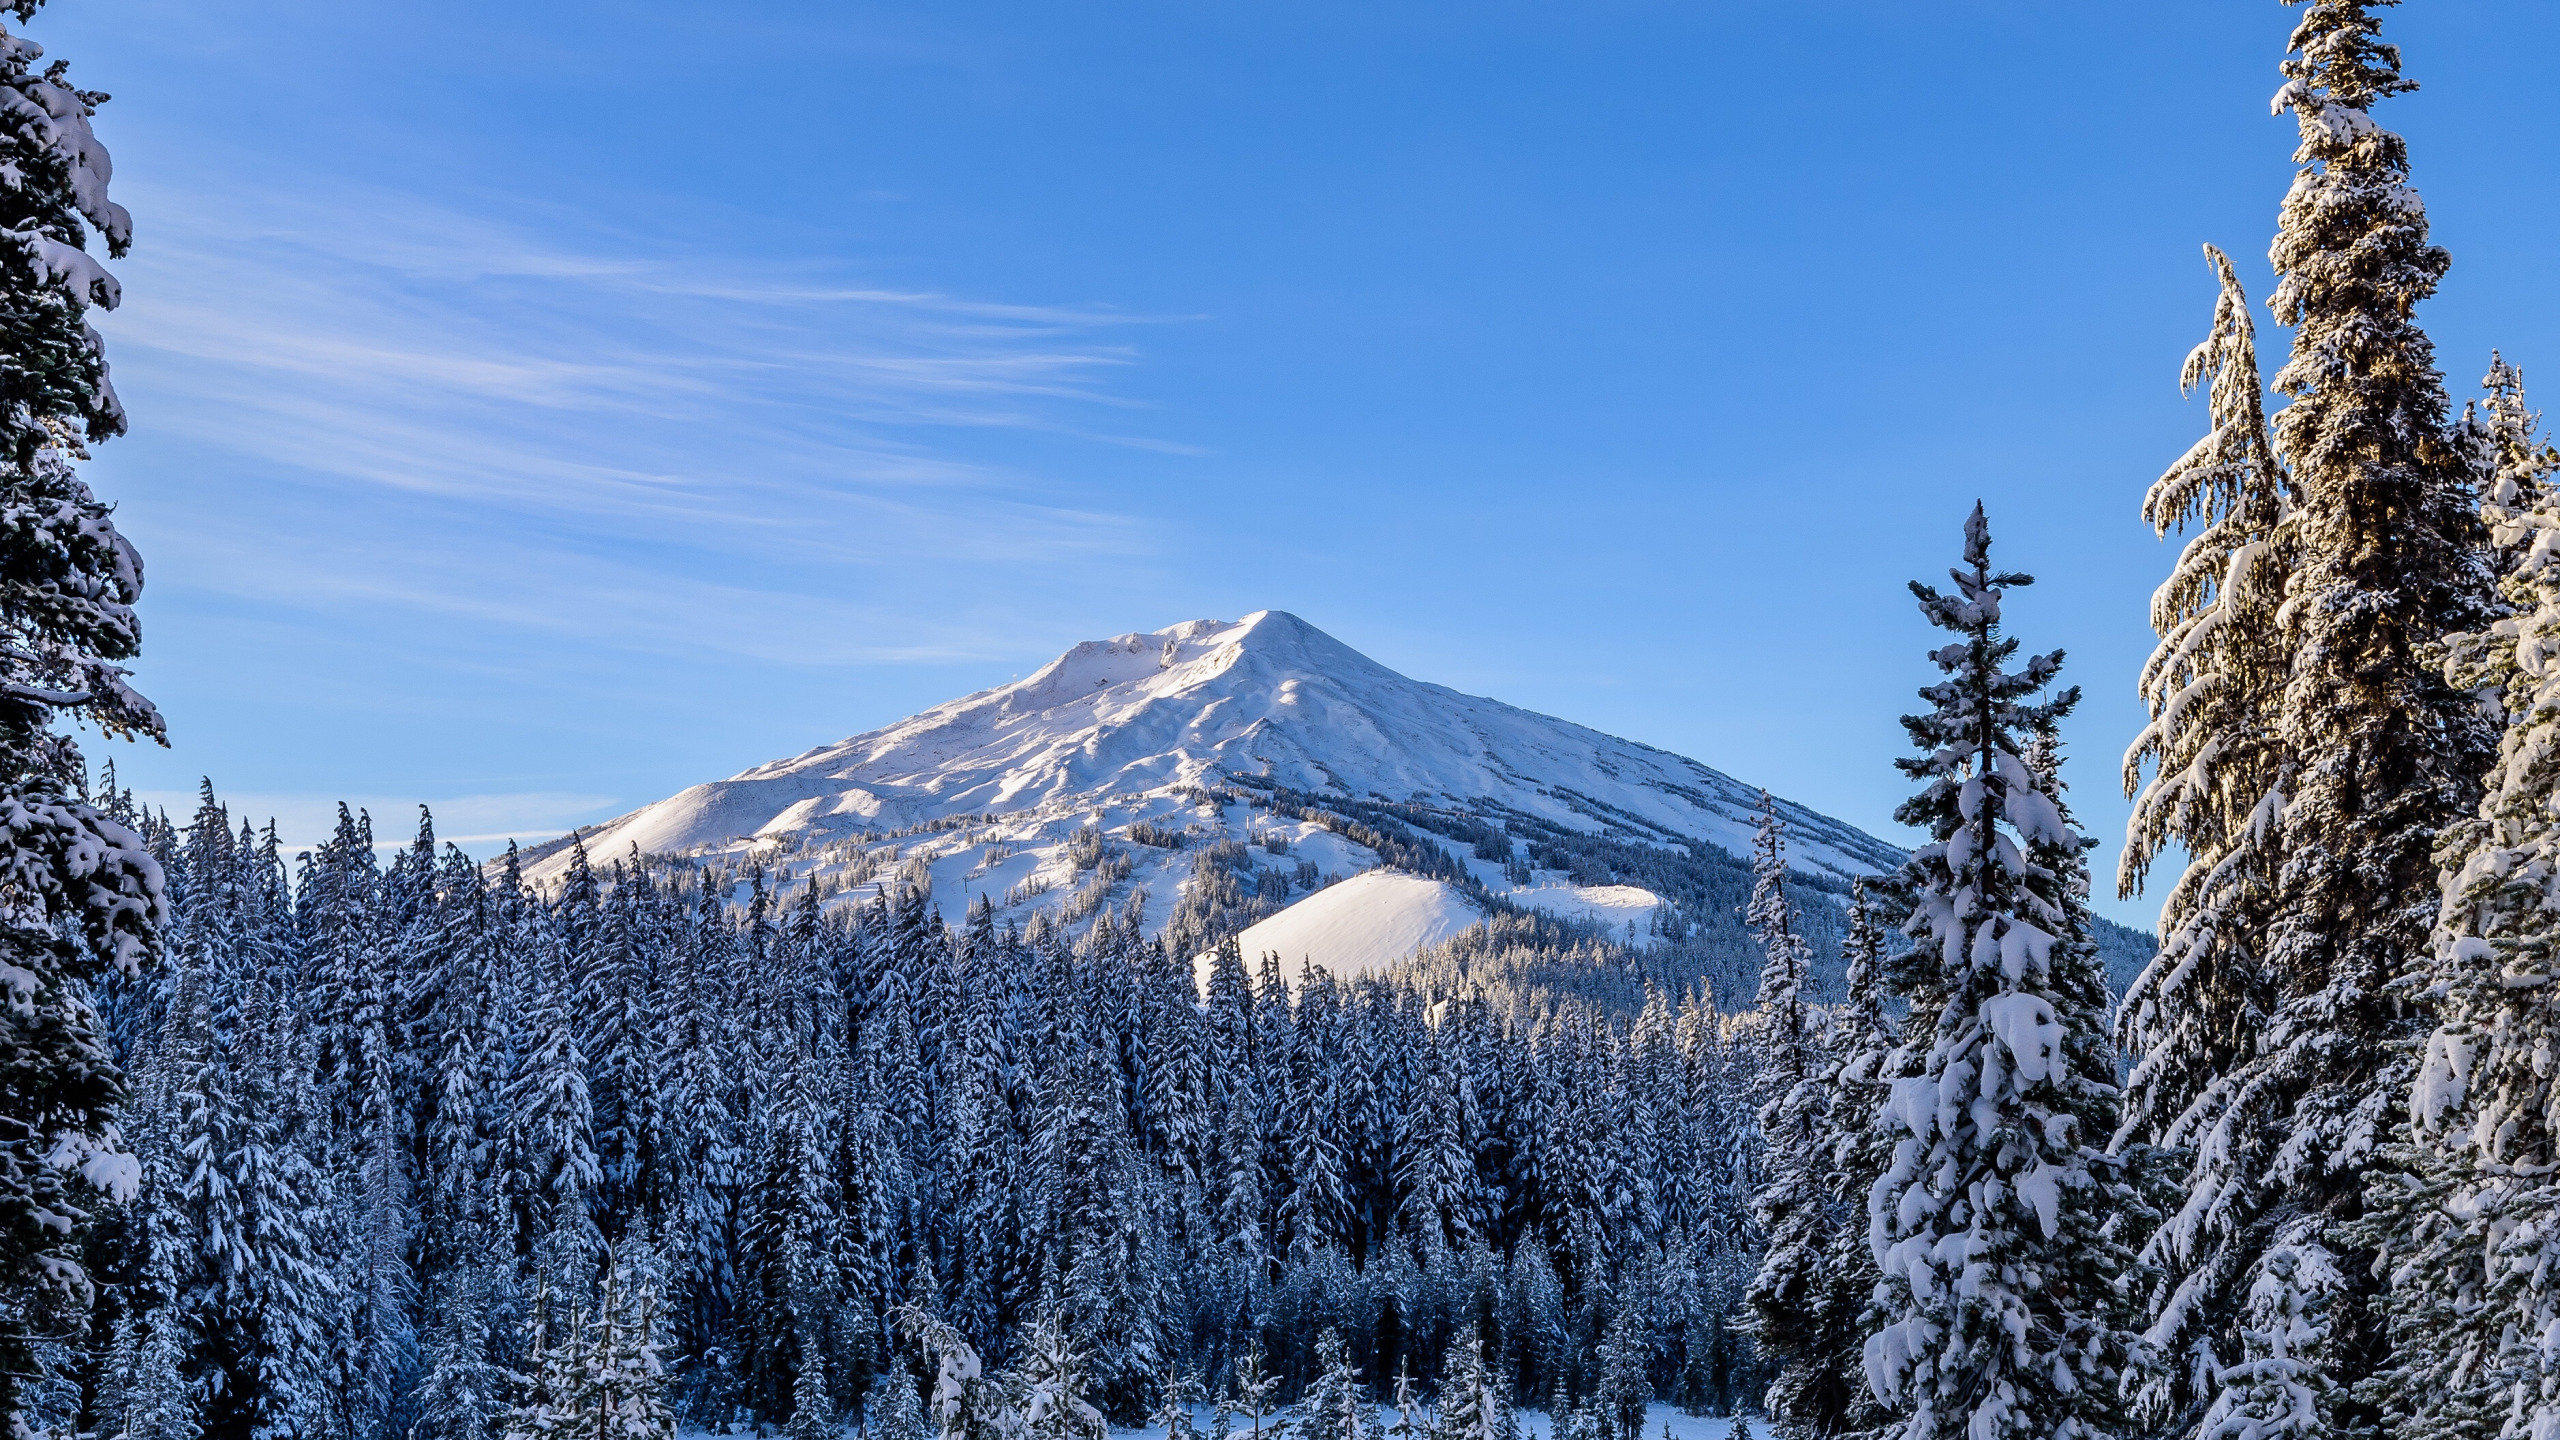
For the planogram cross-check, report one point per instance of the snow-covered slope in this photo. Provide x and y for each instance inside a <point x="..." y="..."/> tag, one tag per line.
<point x="1370" y="921"/>
<point x="1116" y="732"/>
<point x="1359" y="926"/>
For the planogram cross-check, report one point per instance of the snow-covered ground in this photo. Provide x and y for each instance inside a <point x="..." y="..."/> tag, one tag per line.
<point x="1616" y="906"/>
<point x="1118" y="734"/>
<point x="1660" y="1421"/>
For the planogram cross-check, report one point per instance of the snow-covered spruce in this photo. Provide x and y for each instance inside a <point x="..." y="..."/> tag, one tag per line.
<point x="2470" y="1207"/>
<point x="594" y="1372"/>
<point x="2215" y="688"/>
<point x="1864" y="1060"/>
<point x="84" y="894"/>
<point x="1797" y="1212"/>
<point x="1996" y="1228"/>
<point x="1336" y="1405"/>
<point x="1472" y="1404"/>
<point x="2214" y="764"/>
<point x="2391" y="557"/>
<point x="2276" y="1032"/>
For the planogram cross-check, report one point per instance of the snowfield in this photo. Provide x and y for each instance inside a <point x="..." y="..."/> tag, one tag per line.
<point x="1368" y="922"/>
<point x="1616" y="906"/>
<point x="1124" y="733"/>
<point x="1359" y="926"/>
<point x="1661" y="1422"/>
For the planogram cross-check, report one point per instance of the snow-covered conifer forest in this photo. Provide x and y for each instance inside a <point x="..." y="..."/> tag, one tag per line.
<point x="958" y="1080"/>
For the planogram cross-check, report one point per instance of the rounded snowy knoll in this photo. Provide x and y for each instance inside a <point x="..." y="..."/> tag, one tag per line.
<point x="1357" y="927"/>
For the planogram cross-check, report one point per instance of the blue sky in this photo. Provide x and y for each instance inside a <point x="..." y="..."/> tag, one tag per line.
<point x="542" y="407"/>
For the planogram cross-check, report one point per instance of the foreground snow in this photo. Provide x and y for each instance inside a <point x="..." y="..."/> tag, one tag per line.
<point x="1660" y="1421"/>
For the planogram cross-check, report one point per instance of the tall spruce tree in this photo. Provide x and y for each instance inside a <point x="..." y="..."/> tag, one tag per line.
<point x="1992" y="1229"/>
<point x="1821" y="1388"/>
<point x="2276" y="1028"/>
<point x="2470" y="1206"/>
<point x="2392" y="557"/>
<point x="1793" y="1208"/>
<point x="2218" y="765"/>
<point x="84" y="893"/>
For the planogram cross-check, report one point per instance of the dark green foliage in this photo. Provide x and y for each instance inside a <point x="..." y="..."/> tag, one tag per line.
<point x="84" y="897"/>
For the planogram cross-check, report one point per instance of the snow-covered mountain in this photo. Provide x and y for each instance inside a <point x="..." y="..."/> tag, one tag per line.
<point x="1125" y="735"/>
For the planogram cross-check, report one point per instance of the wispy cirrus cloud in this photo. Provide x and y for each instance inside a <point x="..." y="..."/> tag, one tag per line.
<point x="648" y="442"/>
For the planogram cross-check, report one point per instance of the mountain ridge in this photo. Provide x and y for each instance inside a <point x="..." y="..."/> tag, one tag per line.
<point x="1269" y="698"/>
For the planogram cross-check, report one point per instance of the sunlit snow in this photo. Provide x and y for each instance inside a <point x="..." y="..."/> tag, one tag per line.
<point x="1128" y="731"/>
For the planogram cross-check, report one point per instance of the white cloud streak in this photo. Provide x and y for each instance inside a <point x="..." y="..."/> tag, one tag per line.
<point x="640" y="443"/>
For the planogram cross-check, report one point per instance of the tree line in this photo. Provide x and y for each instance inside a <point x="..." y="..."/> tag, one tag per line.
<point x="394" y="1121"/>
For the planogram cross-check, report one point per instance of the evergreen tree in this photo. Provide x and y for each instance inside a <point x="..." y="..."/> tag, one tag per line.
<point x="1051" y="1380"/>
<point x="703" y="1158"/>
<point x="792" y="1248"/>
<point x="967" y="1403"/>
<point x="1626" y="1384"/>
<point x="1251" y="1385"/>
<point x="464" y="1387"/>
<point x="546" y="1396"/>
<point x="2213" y="687"/>
<point x="617" y="1028"/>
<point x="1471" y="1403"/>
<point x="1178" y="1396"/>
<point x="892" y="1413"/>
<point x="151" y="1379"/>
<point x="549" y="1156"/>
<point x="271" y="1305"/>
<point x="1794" y="1208"/>
<point x="2468" y="1208"/>
<point x="2282" y="1065"/>
<point x="1414" y="1420"/>
<point x="1335" y="1406"/>
<point x="2001" y="1270"/>
<point x="85" y="893"/>
<point x="1864" y="1061"/>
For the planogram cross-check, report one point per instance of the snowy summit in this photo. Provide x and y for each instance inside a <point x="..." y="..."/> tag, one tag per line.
<point x="1130" y="731"/>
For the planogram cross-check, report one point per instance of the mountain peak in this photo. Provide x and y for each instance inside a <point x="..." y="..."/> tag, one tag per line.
<point x="1130" y="729"/>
